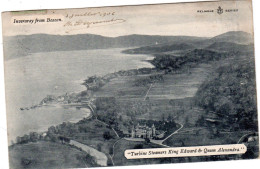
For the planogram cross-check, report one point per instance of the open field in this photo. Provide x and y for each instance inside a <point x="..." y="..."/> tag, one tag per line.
<point x="180" y="85"/>
<point x="123" y="87"/>
<point x="151" y="99"/>
<point x="43" y="154"/>
<point x="171" y="86"/>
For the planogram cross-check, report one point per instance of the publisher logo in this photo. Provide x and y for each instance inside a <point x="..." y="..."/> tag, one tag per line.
<point x="220" y="10"/>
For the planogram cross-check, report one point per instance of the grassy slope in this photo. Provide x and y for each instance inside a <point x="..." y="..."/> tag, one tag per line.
<point x="47" y="155"/>
<point x="93" y="135"/>
<point x="173" y="86"/>
<point x="89" y="132"/>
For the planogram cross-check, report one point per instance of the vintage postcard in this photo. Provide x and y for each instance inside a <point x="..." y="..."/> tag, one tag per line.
<point x="130" y="85"/>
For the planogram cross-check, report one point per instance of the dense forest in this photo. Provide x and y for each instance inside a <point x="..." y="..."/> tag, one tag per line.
<point x="169" y="61"/>
<point x="230" y="92"/>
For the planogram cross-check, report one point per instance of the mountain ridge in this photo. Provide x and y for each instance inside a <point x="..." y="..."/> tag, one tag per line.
<point x="22" y="45"/>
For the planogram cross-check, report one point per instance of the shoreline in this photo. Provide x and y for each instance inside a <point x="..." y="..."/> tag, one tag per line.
<point x="44" y="128"/>
<point x="107" y="76"/>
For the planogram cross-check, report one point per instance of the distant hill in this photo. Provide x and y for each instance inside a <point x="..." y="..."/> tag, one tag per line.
<point x="234" y="37"/>
<point x="229" y="47"/>
<point x="237" y="37"/>
<point x="22" y="45"/>
<point x="17" y="46"/>
<point x="160" y="48"/>
<point x="230" y="41"/>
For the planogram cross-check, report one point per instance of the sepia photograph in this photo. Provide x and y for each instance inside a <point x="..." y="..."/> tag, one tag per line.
<point x="130" y="85"/>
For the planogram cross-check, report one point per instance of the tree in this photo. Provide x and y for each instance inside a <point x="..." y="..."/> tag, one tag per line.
<point x="200" y="121"/>
<point x="18" y="140"/>
<point x="33" y="136"/>
<point x="138" y="146"/>
<point x="51" y="130"/>
<point x="187" y="121"/>
<point x="120" y="118"/>
<point x="169" y="118"/>
<point x="111" y="151"/>
<point x="163" y="117"/>
<point x="107" y="135"/>
<point x="25" y="139"/>
<point x="147" y="140"/>
<point x="99" y="147"/>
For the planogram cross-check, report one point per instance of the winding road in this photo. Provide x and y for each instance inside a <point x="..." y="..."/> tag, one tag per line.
<point x="160" y="142"/>
<point x="114" y="151"/>
<point x="244" y="136"/>
<point x="100" y="157"/>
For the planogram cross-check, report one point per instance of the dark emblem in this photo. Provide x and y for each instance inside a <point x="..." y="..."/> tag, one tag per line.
<point x="219" y="10"/>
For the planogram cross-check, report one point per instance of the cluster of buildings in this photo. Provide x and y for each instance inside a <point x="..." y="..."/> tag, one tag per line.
<point x="143" y="131"/>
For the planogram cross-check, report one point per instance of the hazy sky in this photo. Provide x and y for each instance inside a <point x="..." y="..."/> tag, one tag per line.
<point x="167" y="19"/>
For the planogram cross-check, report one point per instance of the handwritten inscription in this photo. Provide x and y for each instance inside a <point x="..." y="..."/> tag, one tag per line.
<point x="100" y="14"/>
<point x="91" y="19"/>
<point x="93" y="23"/>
